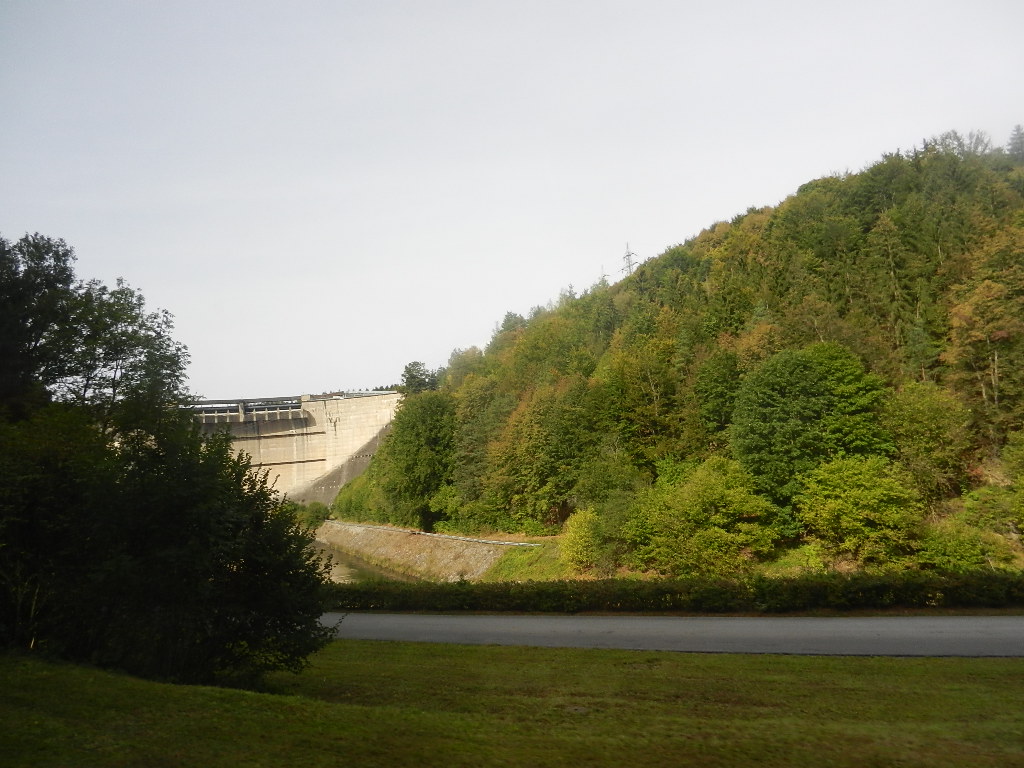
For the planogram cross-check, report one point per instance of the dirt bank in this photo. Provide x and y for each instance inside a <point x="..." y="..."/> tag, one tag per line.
<point x="424" y="555"/>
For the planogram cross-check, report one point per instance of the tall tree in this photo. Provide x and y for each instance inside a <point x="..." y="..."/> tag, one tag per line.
<point x="801" y="408"/>
<point x="985" y="348"/>
<point x="416" y="378"/>
<point x="81" y="342"/>
<point x="1015" y="146"/>
<point x="36" y="292"/>
<point x="415" y="458"/>
<point x="127" y="539"/>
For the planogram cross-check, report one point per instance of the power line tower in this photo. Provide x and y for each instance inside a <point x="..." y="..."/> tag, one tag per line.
<point x="628" y="261"/>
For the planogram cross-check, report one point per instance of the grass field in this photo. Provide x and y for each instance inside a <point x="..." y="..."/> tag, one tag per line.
<point x="365" y="703"/>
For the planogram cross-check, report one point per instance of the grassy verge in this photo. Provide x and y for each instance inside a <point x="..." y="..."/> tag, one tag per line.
<point x="394" y="704"/>
<point x="529" y="564"/>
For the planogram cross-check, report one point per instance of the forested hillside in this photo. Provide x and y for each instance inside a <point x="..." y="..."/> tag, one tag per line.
<point x="837" y="381"/>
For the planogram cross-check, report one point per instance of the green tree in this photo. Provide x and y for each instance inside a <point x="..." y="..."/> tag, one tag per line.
<point x="802" y="408"/>
<point x="717" y="381"/>
<point x="82" y="342"/>
<point x="861" y="507"/>
<point x="930" y="429"/>
<point x="127" y="539"/>
<point x="1015" y="146"/>
<point x="580" y="545"/>
<point x="705" y="520"/>
<point x="415" y="458"/>
<point x="986" y="344"/>
<point x="160" y="554"/>
<point x="416" y="378"/>
<point x="36" y="290"/>
<point x="534" y="463"/>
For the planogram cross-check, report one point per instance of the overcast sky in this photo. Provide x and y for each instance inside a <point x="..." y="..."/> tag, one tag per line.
<point x="321" y="192"/>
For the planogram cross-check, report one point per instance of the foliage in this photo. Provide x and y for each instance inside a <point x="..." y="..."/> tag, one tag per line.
<point x="360" y="500"/>
<point x="581" y="540"/>
<point x="861" y="507"/>
<point x="36" y="288"/>
<point x="952" y="546"/>
<point x="167" y="555"/>
<point x="801" y="408"/>
<point x="875" y="313"/>
<point x="127" y="539"/>
<point x="81" y="341"/>
<point x="309" y="515"/>
<point x="999" y="508"/>
<point x="930" y="429"/>
<point x="415" y="458"/>
<point x="709" y="521"/>
<point x="717" y="381"/>
<point x="416" y="378"/>
<point x="865" y="590"/>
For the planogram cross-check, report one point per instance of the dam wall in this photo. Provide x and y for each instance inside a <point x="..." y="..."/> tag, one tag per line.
<point x="309" y="445"/>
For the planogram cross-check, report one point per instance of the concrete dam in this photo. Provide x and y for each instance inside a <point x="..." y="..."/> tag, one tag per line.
<point x="310" y="445"/>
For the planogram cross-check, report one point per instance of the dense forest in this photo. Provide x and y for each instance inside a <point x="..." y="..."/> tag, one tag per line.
<point x="836" y="382"/>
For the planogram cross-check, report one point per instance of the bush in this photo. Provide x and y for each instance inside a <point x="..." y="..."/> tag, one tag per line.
<point x="580" y="547"/>
<point x="954" y="547"/>
<point x="991" y="508"/>
<point x="707" y="520"/>
<point x="162" y="555"/>
<point x="310" y="515"/>
<point x="755" y="594"/>
<point x="860" y="506"/>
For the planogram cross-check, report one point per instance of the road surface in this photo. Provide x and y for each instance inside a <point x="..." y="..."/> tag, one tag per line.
<point x="853" y="636"/>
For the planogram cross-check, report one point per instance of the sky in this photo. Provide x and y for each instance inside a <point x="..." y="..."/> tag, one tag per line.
<point x="322" y="192"/>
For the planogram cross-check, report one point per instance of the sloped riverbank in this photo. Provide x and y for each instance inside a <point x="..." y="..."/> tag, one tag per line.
<point x="431" y="556"/>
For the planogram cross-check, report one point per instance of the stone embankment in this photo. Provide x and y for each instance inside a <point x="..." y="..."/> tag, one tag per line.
<point x="431" y="556"/>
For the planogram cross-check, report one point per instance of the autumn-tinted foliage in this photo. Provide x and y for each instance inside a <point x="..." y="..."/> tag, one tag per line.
<point x="873" y="317"/>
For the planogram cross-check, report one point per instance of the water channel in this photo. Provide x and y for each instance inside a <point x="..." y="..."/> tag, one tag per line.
<point x="346" y="568"/>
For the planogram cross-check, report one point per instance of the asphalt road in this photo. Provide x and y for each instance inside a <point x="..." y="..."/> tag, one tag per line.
<point x="875" y="636"/>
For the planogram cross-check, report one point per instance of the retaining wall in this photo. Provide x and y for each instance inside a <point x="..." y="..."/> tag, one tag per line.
<point x="431" y="556"/>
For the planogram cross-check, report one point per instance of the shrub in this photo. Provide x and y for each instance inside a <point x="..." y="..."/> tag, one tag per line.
<point x="581" y="540"/>
<point x="754" y="594"/>
<point x="951" y="546"/>
<point x="862" y="507"/>
<point x="705" y="521"/>
<point x="162" y="555"/>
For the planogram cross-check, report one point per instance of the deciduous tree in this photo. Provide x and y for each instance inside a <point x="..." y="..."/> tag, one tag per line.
<point x="861" y="507"/>
<point x="802" y="408"/>
<point x="127" y="539"/>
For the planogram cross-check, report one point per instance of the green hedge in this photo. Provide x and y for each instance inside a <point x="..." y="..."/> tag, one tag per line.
<point x="988" y="589"/>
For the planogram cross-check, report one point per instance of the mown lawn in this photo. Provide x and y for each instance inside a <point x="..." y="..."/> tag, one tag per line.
<point x="367" y="703"/>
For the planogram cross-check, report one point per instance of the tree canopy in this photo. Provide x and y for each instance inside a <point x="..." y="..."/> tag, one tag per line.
<point x="127" y="539"/>
<point x="869" y="317"/>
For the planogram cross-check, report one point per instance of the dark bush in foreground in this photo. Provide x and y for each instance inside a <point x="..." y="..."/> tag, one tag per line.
<point x="843" y="592"/>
